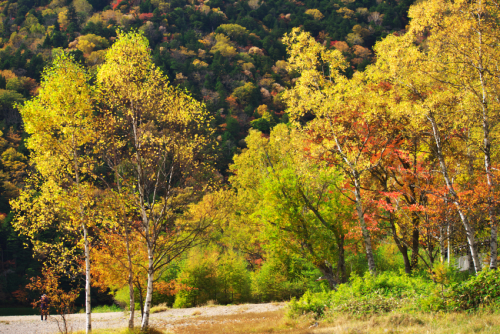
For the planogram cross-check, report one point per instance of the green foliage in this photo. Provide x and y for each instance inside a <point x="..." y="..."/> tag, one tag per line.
<point x="106" y="309"/>
<point x="245" y="94"/>
<point x="479" y="292"/>
<point x="211" y="275"/>
<point x="282" y="278"/>
<point x="367" y="294"/>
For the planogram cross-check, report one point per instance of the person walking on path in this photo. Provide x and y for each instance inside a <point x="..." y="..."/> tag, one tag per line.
<point x="44" y="306"/>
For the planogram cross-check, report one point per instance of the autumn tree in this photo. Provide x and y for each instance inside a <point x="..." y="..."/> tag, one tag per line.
<point x="158" y="132"/>
<point x="351" y="125"/>
<point x="463" y="44"/>
<point x="296" y="199"/>
<point x="428" y="105"/>
<point x="61" y="124"/>
<point x="61" y="300"/>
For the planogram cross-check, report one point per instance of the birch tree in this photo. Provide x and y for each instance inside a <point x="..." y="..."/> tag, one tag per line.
<point x="429" y="105"/>
<point x="61" y="125"/>
<point x="463" y="47"/>
<point x="350" y="128"/>
<point x="158" y="132"/>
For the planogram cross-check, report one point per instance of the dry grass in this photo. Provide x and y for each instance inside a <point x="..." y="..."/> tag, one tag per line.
<point x="267" y="322"/>
<point x="160" y="308"/>
<point x="438" y="323"/>
<point x="276" y="322"/>
<point x="211" y="303"/>
<point x="125" y="331"/>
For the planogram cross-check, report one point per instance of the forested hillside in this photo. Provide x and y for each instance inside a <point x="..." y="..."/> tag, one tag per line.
<point x="341" y="155"/>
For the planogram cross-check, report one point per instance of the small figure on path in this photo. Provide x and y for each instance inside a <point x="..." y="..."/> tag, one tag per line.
<point x="44" y="306"/>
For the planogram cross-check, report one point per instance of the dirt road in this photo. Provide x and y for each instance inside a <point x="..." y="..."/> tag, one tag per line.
<point x="169" y="319"/>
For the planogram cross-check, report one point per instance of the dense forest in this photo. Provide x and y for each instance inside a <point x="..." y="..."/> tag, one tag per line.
<point x="180" y="152"/>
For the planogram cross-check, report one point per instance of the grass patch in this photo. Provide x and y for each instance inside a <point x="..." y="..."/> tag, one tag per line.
<point x="106" y="309"/>
<point x="401" y="323"/>
<point x="159" y="308"/>
<point x="211" y="303"/>
<point x="125" y="331"/>
<point x="405" y="323"/>
<point x="338" y="323"/>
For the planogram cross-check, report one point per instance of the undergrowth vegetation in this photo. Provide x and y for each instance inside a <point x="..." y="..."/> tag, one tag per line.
<point x="390" y="291"/>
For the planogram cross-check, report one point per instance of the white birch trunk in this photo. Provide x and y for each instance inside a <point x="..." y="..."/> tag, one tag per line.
<point x="364" y="228"/>
<point x="130" y="283"/>
<point x="149" y="291"/>
<point x="88" y="309"/>
<point x="487" y="148"/>
<point x="454" y="198"/>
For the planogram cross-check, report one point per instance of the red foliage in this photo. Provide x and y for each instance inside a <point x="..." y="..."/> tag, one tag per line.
<point x="145" y="16"/>
<point x="21" y="295"/>
<point x="115" y="5"/>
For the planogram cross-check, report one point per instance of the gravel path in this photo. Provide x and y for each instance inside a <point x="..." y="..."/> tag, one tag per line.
<point x="31" y="324"/>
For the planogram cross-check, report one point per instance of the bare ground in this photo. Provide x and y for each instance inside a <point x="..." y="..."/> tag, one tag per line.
<point x="171" y="319"/>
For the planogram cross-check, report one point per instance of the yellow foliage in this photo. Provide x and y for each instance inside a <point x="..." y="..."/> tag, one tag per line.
<point x="354" y="39"/>
<point x="224" y="46"/>
<point x="247" y="66"/>
<point x="315" y="13"/>
<point x="62" y="19"/>
<point x="199" y="63"/>
<point x="345" y="12"/>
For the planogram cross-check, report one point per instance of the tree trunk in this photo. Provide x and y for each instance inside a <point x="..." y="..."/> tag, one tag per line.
<point x="487" y="151"/>
<point x="364" y="228"/>
<point x="403" y="249"/>
<point x="149" y="291"/>
<point x="130" y="282"/>
<point x="141" y="298"/>
<point x="442" y="248"/>
<point x="341" y="265"/>
<point x="88" y="310"/>
<point x="415" y="242"/>
<point x="454" y="197"/>
<point x="327" y="271"/>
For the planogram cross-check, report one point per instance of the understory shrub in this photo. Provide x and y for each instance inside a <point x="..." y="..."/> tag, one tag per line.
<point x="389" y="291"/>
<point x="281" y="278"/>
<point x="479" y="292"/>
<point x="367" y="294"/>
<point x="209" y="274"/>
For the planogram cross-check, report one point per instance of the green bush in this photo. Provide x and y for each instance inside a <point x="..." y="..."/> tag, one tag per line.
<point x="368" y="294"/>
<point x="479" y="292"/>
<point x="284" y="277"/>
<point x="211" y="275"/>
<point x="106" y="309"/>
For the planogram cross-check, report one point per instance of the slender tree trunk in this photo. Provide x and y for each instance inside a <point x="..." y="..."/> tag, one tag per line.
<point x="442" y="248"/>
<point x="487" y="148"/>
<point x="469" y="259"/>
<point x="129" y="258"/>
<point x="341" y="265"/>
<point x="141" y="298"/>
<point x="490" y="182"/>
<point x="88" y="309"/>
<point x="415" y="241"/>
<point x="449" y="244"/>
<point x="403" y="249"/>
<point x="149" y="290"/>
<point x="454" y="197"/>
<point x="364" y="228"/>
<point x="130" y="281"/>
